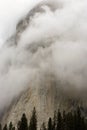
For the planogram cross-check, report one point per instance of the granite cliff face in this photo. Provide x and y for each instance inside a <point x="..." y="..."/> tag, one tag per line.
<point x="47" y="96"/>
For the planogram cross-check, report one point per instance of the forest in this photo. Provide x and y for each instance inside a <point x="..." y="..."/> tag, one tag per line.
<point x="72" y="120"/>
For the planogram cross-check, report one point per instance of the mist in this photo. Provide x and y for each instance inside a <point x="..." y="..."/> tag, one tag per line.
<point x="53" y="42"/>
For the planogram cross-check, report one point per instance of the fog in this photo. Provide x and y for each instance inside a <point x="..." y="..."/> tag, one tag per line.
<point x="53" y="42"/>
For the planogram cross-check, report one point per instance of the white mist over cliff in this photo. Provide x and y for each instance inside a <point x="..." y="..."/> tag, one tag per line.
<point x="50" y="40"/>
<point x="11" y="12"/>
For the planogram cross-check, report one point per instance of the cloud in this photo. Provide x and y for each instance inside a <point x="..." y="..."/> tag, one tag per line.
<point x="11" y="11"/>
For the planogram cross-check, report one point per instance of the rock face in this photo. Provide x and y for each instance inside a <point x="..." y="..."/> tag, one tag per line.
<point x="46" y="98"/>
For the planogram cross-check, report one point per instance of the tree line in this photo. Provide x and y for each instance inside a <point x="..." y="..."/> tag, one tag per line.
<point x="61" y="121"/>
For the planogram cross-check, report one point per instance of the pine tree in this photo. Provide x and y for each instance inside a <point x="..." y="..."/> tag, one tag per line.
<point x="23" y="124"/>
<point x="10" y="126"/>
<point x="78" y="119"/>
<point x="64" y="121"/>
<point x="69" y="121"/>
<point x="59" y="121"/>
<point x="50" y="124"/>
<point x="0" y="127"/>
<point x="5" y="127"/>
<point x="83" y="125"/>
<point x="33" y="121"/>
<point x="54" y="121"/>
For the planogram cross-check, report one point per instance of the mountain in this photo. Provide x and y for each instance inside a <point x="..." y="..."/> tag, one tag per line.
<point x="45" y="89"/>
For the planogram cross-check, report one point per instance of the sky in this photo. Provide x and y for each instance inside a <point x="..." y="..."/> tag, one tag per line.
<point x="54" y="43"/>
